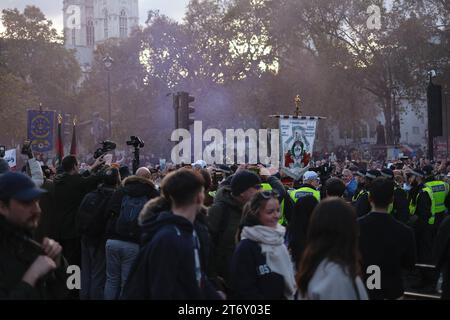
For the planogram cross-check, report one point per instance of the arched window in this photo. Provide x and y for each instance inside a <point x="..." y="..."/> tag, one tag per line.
<point x="73" y="36"/>
<point x="123" y="24"/>
<point x="90" y="33"/>
<point x="105" y="24"/>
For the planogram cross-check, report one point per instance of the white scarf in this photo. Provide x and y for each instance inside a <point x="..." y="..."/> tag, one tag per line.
<point x="278" y="259"/>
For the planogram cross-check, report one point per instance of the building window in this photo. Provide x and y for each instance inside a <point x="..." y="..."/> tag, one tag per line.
<point x="90" y="33"/>
<point x="73" y="37"/>
<point x="105" y="24"/>
<point x="123" y="24"/>
<point x="415" y="130"/>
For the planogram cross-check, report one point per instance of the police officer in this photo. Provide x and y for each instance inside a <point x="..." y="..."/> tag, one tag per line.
<point x="440" y="191"/>
<point x="362" y="203"/>
<point x="420" y="205"/>
<point x="361" y="180"/>
<point x="310" y="187"/>
<point x="399" y="208"/>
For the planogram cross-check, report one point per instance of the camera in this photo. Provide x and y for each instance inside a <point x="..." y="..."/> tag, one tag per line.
<point x="107" y="146"/>
<point x="26" y="147"/>
<point x="135" y="142"/>
<point x="2" y="151"/>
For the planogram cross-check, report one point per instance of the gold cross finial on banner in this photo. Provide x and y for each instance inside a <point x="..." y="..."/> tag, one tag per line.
<point x="60" y="118"/>
<point x="74" y="120"/>
<point x="298" y="102"/>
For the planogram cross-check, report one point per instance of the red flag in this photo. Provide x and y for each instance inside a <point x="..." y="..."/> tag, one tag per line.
<point x="73" y="146"/>
<point x="59" y="143"/>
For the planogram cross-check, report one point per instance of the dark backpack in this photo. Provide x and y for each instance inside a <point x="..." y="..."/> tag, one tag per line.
<point x="92" y="218"/>
<point x="127" y="224"/>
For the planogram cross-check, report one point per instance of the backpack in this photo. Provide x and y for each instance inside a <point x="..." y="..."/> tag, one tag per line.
<point x="91" y="214"/>
<point x="126" y="224"/>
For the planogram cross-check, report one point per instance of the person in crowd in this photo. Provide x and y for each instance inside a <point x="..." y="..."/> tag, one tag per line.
<point x="335" y="187"/>
<point x="261" y="267"/>
<point x="442" y="256"/>
<point x="420" y="208"/>
<point x="297" y="228"/>
<point x="385" y="242"/>
<point x="93" y="217"/>
<point x="399" y="208"/>
<point x="224" y="217"/>
<point x="169" y="265"/>
<point x="123" y="233"/>
<point x="28" y="270"/>
<point x="329" y="268"/>
<point x="310" y="186"/>
<point x="351" y="184"/>
<point x="4" y="166"/>
<point x="361" y="182"/>
<point x="362" y="205"/>
<point x="70" y="188"/>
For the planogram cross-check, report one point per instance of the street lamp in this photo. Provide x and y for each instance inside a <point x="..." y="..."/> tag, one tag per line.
<point x="108" y="62"/>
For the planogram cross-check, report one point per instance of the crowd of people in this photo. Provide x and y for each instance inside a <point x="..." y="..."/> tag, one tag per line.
<point x="241" y="232"/>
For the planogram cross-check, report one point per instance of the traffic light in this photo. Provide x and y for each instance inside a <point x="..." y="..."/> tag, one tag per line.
<point x="183" y="99"/>
<point x="434" y="110"/>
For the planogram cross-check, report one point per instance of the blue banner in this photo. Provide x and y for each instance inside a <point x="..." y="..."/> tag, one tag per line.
<point x="40" y="129"/>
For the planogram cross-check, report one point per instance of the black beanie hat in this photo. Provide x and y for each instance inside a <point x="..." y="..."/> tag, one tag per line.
<point x="242" y="181"/>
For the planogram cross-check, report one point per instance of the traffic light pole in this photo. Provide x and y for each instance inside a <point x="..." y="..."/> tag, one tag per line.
<point x="176" y="107"/>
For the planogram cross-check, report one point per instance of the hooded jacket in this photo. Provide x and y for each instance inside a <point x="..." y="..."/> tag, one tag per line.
<point x="133" y="186"/>
<point x="166" y="267"/>
<point x="69" y="192"/>
<point x="224" y="217"/>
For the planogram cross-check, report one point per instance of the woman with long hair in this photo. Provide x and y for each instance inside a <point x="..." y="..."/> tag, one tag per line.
<point x="330" y="268"/>
<point x="261" y="267"/>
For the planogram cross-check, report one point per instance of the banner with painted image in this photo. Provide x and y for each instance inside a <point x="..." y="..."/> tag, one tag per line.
<point x="297" y="137"/>
<point x="40" y="129"/>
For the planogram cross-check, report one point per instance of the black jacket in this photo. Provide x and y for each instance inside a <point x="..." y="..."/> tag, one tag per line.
<point x="16" y="256"/>
<point x="442" y="255"/>
<point x="165" y="268"/>
<point x="69" y="192"/>
<point x="390" y="245"/>
<point x="133" y="186"/>
<point x="251" y="278"/>
<point x="224" y="217"/>
<point x="401" y="205"/>
<point x="362" y="205"/>
<point x="47" y="225"/>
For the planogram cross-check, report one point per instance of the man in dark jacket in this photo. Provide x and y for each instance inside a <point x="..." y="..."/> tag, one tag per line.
<point x="28" y="270"/>
<point x="169" y="265"/>
<point x="362" y="205"/>
<point x="442" y="256"/>
<point x="400" y="210"/>
<point x="385" y="243"/>
<point x="70" y="189"/>
<point x="122" y="249"/>
<point x="224" y="217"/>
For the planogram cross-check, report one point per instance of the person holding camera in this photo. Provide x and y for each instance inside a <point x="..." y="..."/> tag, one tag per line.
<point x="70" y="189"/>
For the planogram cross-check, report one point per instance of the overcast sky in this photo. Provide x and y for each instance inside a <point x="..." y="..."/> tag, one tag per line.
<point x="53" y="9"/>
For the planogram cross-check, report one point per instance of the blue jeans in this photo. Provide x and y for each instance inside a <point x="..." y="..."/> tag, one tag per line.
<point x="120" y="256"/>
<point x="93" y="269"/>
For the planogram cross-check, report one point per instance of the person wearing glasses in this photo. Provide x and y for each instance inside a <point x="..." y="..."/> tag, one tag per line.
<point x="261" y="267"/>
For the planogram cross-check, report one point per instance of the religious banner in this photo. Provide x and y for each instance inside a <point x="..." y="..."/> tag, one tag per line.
<point x="40" y="130"/>
<point x="297" y="135"/>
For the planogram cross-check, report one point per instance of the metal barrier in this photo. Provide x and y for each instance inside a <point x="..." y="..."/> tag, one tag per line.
<point x="421" y="296"/>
